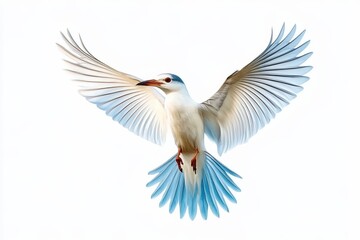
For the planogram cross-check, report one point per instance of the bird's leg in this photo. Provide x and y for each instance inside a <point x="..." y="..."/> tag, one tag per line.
<point x="193" y="160"/>
<point x="179" y="160"/>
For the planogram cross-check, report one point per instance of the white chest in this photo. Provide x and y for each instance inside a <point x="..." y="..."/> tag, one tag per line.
<point x="185" y="122"/>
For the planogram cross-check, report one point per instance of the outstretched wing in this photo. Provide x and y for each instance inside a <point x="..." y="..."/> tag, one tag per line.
<point x="251" y="97"/>
<point x="139" y="109"/>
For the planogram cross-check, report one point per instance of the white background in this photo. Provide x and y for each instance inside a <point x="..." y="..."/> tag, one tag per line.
<point x="69" y="172"/>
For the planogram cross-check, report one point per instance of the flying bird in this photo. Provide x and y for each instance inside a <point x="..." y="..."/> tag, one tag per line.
<point x="249" y="98"/>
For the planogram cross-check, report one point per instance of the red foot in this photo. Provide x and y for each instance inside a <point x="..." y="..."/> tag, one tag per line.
<point x="193" y="160"/>
<point x="193" y="164"/>
<point x="179" y="160"/>
<point x="179" y="163"/>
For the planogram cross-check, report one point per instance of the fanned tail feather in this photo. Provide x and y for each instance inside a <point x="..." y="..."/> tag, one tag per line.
<point x="213" y="189"/>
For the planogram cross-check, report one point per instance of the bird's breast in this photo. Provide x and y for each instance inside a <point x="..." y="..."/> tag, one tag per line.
<point x="185" y="122"/>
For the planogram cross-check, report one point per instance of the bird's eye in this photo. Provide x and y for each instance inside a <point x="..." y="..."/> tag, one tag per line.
<point x="167" y="79"/>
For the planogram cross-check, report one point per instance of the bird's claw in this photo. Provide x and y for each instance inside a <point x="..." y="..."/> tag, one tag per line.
<point x="193" y="160"/>
<point x="193" y="164"/>
<point x="179" y="163"/>
<point x="179" y="160"/>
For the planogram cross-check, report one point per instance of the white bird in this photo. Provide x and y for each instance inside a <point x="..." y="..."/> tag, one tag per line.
<point x="248" y="99"/>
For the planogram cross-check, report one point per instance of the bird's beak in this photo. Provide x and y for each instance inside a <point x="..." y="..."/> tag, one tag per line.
<point x="152" y="82"/>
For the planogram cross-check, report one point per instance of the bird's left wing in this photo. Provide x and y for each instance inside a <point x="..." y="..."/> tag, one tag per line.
<point x="139" y="109"/>
<point x="251" y="97"/>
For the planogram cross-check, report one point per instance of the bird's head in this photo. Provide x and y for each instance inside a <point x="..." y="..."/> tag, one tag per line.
<point x="167" y="82"/>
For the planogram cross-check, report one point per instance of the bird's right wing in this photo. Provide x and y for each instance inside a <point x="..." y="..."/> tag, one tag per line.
<point x="139" y="109"/>
<point x="251" y="97"/>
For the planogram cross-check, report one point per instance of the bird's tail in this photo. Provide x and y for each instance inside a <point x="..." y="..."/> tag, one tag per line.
<point x="207" y="188"/>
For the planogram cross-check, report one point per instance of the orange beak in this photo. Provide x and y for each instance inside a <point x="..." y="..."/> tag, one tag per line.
<point x="152" y="82"/>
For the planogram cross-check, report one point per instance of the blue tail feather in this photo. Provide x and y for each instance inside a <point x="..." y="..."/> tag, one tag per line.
<point x="175" y="198"/>
<point x="192" y="203"/>
<point x="214" y="185"/>
<point x="170" y="192"/>
<point x="221" y="166"/>
<point x="162" y="167"/>
<point x="218" y="192"/>
<point x="182" y="197"/>
<point x="210" y="197"/>
<point x="203" y="204"/>
<point x="165" y="182"/>
<point x="221" y="172"/>
<point x="162" y="171"/>
<point x="223" y="188"/>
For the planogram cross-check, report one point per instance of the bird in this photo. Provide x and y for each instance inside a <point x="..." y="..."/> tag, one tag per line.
<point x="192" y="179"/>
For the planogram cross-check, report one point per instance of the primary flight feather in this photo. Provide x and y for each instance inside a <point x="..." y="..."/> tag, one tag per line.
<point x="193" y="179"/>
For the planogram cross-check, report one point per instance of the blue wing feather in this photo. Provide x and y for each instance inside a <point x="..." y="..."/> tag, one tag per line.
<point x="139" y="109"/>
<point x="252" y="96"/>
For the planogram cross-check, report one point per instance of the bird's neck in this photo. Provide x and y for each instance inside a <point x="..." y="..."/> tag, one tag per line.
<point x="178" y="101"/>
<point x="181" y="92"/>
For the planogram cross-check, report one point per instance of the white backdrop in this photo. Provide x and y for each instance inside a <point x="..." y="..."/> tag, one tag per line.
<point x="70" y="172"/>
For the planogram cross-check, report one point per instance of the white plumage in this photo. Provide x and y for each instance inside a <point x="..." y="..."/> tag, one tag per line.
<point x="248" y="100"/>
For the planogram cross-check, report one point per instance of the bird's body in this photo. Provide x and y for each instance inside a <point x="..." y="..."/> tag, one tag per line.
<point x="187" y="128"/>
<point x="249" y="98"/>
<point x="185" y="121"/>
